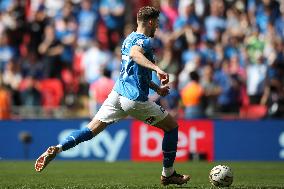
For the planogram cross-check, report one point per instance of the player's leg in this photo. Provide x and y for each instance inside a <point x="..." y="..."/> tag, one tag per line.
<point x="75" y="138"/>
<point x="169" y="143"/>
<point x="169" y="148"/>
<point x="151" y="113"/>
<point x="109" y="112"/>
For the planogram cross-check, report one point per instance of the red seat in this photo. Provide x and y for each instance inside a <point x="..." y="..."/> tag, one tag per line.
<point x="253" y="111"/>
<point x="52" y="92"/>
<point x="69" y="80"/>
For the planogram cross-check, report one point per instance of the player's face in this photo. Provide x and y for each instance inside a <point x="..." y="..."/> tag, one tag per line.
<point x="154" y="25"/>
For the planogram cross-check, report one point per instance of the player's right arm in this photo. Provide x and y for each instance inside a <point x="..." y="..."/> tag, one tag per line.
<point x="160" y="90"/>
<point x="137" y="54"/>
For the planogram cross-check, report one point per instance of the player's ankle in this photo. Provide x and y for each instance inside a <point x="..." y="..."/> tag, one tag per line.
<point x="167" y="171"/>
<point x="59" y="146"/>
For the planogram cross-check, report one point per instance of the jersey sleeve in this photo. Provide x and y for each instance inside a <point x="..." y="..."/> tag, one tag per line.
<point x="144" y="43"/>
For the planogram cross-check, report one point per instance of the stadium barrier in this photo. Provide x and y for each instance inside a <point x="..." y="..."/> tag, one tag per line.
<point x="133" y="140"/>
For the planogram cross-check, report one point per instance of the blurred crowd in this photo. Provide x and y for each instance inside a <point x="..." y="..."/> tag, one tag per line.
<point x="225" y="57"/>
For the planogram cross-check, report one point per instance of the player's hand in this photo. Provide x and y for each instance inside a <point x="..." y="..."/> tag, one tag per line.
<point x="163" y="90"/>
<point x="163" y="76"/>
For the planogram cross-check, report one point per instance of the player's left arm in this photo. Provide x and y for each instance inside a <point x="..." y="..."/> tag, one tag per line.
<point x="160" y="90"/>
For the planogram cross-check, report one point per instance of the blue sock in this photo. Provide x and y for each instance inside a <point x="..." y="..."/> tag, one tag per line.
<point x="76" y="137"/>
<point x="169" y="147"/>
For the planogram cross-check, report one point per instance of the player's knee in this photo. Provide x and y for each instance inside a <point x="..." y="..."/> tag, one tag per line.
<point x="172" y="126"/>
<point x="168" y="123"/>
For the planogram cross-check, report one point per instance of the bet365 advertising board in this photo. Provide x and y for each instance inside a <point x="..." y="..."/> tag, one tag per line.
<point x="136" y="141"/>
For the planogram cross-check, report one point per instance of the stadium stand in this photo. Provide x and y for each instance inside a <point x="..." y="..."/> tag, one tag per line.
<point x="236" y="47"/>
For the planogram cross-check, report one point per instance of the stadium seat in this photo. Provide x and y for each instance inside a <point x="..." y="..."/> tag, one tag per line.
<point x="70" y="82"/>
<point x="52" y="92"/>
<point x="253" y="112"/>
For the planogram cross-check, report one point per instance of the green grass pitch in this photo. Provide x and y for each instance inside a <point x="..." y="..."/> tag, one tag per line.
<point x="96" y="174"/>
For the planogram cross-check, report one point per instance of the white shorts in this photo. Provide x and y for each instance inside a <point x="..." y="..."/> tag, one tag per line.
<point x="117" y="107"/>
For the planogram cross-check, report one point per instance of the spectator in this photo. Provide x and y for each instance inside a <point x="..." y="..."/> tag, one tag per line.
<point x="169" y="61"/>
<point x="188" y="19"/>
<point x="114" y="66"/>
<point x="184" y="75"/>
<point x="36" y="27"/>
<point x="255" y="46"/>
<point x="87" y="23"/>
<point x="53" y="6"/>
<point x="191" y="96"/>
<point x="273" y="96"/>
<point x="66" y="31"/>
<point x="235" y="68"/>
<point x="186" y="26"/>
<point x="112" y="12"/>
<point x="189" y="54"/>
<point x="169" y="9"/>
<point x="31" y="65"/>
<point x="232" y="48"/>
<point x="51" y="49"/>
<point x="279" y="25"/>
<point x="99" y="90"/>
<point x="211" y="91"/>
<point x="164" y="23"/>
<point x="12" y="79"/>
<point x="215" y="23"/>
<point x="229" y="98"/>
<point x="208" y="52"/>
<point x="6" y="51"/>
<point x="93" y="60"/>
<point x="30" y="93"/>
<point x="5" y="102"/>
<point x="8" y="19"/>
<point x="256" y="75"/>
<point x="67" y="37"/>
